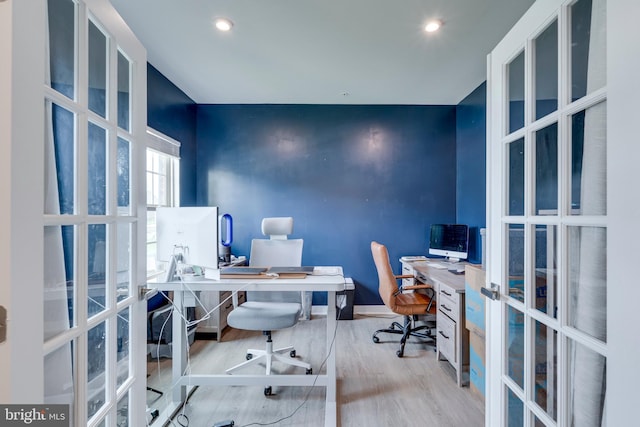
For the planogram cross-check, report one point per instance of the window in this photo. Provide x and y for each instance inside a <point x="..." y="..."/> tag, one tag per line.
<point x="162" y="186"/>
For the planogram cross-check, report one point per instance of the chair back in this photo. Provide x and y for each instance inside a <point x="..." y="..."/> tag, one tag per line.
<point x="277" y="251"/>
<point x="387" y="283"/>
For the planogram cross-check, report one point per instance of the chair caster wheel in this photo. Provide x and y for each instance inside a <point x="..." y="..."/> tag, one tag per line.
<point x="309" y="371"/>
<point x="399" y="353"/>
<point x="292" y="353"/>
<point x="267" y="391"/>
<point x="375" y="339"/>
<point x="249" y="356"/>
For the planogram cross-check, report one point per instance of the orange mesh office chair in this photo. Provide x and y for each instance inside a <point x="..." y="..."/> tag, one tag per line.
<point x="410" y="305"/>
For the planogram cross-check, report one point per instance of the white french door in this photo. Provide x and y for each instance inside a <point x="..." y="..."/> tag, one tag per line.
<point x="94" y="214"/>
<point x="552" y="242"/>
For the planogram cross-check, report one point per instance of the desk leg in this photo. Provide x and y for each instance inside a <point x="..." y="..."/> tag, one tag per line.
<point x="331" y="408"/>
<point x="178" y="347"/>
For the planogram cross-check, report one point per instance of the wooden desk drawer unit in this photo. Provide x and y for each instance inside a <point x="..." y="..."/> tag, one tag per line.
<point x="447" y="338"/>
<point x="408" y="270"/>
<point x="452" y="343"/>
<point x="453" y="337"/>
<point x="448" y="302"/>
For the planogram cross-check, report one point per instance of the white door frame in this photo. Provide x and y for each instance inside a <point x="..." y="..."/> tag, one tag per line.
<point x="623" y="209"/>
<point x="22" y="133"/>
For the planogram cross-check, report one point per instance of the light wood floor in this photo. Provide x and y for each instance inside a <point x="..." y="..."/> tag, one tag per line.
<point x="375" y="387"/>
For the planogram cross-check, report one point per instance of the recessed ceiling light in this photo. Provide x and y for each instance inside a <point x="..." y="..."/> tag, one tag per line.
<point x="433" y="25"/>
<point x="223" y="24"/>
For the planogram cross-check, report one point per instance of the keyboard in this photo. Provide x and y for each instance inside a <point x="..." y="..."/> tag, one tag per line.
<point x="439" y="265"/>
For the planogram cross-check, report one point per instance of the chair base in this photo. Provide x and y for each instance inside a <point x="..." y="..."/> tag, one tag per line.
<point x="268" y="355"/>
<point x="406" y="331"/>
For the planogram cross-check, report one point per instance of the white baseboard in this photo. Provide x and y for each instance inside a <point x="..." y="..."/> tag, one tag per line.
<point x="321" y="310"/>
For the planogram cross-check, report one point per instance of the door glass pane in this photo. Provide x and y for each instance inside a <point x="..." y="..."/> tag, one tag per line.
<point x="97" y="170"/>
<point x="546" y="376"/>
<point x="545" y="250"/>
<point x="123" y="166"/>
<point x="59" y="377"/>
<point x="97" y="246"/>
<point x="123" y="349"/>
<point x="515" y="192"/>
<point x="61" y="199"/>
<point x="515" y="107"/>
<point x="589" y="161"/>
<point x="123" y="272"/>
<point x="151" y="241"/>
<point x="587" y="385"/>
<point x="97" y="70"/>
<point x="515" y="261"/>
<point x="546" y="73"/>
<point x="62" y="46"/>
<point x="588" y="48"/>
<point x="124" y="96"/>
<point x="587" y="280"/>
<point x="96" y="363"/>
<point x="546" y="168"/>
<point x="515" y="345"/>
<point x="59" y="284"/>
<point x="123" y="411"/>
<point x="515" y="409"/>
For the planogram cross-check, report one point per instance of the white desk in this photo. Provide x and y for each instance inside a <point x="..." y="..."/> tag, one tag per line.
<point x="452" y="341"/>
<point x="324" y="279"/>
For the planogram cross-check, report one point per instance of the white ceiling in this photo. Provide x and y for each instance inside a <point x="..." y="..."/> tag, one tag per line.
<point x="322" y="51"/>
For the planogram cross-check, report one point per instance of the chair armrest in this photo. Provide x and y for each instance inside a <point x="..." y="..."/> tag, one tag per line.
<point x="404" y="276"/>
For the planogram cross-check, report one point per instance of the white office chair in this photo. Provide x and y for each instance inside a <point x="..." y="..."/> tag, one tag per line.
<point x="268" y="311"/>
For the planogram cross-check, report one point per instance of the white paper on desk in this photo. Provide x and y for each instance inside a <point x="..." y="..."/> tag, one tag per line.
<point x="437" y="265"/>
<point x="326" y="271"/>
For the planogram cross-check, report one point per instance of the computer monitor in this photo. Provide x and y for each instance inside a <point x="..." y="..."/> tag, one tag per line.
<point x="449" y="240"/>
<point x="189" y="235"/>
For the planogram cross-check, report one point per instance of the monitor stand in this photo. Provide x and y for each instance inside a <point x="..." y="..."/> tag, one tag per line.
<point x="170" y="274"/>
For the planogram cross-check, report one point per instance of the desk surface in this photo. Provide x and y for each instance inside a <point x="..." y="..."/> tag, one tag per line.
<point x="441" y="275"/>
<point x="323" y="279"/>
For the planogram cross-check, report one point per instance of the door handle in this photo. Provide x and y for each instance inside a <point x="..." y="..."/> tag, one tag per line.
<point x="492" y="293"/>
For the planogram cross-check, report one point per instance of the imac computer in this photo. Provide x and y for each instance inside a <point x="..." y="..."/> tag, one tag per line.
<point x="188" y="241"/>
<point x="449" y="240"/>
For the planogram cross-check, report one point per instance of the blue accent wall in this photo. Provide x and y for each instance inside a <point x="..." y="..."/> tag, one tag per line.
<point x="347" y="174"/>
<point x="471" y="141"/>
<point x="172" y="112"/>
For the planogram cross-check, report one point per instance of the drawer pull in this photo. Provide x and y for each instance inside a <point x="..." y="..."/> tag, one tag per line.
<point x="446" y="293"/>
<point x="441" y="333"/>
<point x="445" y="307"/>
<point x="228" y="306"/>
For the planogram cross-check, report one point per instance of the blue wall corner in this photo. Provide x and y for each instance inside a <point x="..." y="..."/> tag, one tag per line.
<point x="348" y="174"/>
<point x="471" y="167"/>
<point x="172" y="112"/>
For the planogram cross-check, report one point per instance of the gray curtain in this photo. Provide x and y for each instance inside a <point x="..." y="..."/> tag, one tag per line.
<point x="590" y="266"/>
<point x="58" y="381"/>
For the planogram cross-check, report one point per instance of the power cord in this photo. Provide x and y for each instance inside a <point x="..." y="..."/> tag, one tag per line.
<point x="306" y="397"/>
<point x="182" y="418"/>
